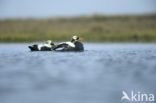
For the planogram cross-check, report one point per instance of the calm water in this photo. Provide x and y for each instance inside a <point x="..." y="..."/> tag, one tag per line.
<point x="97" y="75"/>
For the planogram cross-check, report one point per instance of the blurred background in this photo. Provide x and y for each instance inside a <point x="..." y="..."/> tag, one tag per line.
<point x="97" y="75"/>
<point x="94" y="20"/>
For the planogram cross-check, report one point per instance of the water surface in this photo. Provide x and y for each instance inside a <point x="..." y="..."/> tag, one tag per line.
<point x="97" y="75"/>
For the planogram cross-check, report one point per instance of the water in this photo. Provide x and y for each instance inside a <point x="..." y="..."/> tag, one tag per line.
<point x="97" y="75"/>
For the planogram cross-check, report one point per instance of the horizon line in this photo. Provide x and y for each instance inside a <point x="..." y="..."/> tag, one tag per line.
<point x="81" y="15"/>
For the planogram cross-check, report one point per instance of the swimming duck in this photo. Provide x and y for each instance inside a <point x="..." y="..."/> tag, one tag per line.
<point x="73" y="45"/>
<point x="47" y="46"/>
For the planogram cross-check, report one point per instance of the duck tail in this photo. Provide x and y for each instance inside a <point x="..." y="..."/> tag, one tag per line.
<point x="33" y="48"/>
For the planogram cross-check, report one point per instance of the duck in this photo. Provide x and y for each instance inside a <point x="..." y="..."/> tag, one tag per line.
<point x="47" y="46"/>
<point x="73" y="45"/>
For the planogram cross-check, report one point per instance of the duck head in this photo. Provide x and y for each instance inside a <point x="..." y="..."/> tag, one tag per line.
<point x="49" y="42"/>
<point x="75" y="38"/>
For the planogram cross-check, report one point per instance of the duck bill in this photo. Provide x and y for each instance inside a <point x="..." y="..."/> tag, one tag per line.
<point x="80" y="39"/>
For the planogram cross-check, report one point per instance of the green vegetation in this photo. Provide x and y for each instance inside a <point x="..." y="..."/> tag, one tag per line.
<point x="95" y="28"/>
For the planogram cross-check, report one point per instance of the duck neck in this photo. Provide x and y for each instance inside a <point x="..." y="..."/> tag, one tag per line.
<point x="73" y="41"/>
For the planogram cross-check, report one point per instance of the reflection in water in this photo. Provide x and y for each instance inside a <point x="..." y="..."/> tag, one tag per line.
<point x="97" y="75"/>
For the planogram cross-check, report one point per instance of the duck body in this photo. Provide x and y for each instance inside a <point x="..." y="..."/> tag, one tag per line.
<point x="41" y="47"/>
<point x="69" y="46"/>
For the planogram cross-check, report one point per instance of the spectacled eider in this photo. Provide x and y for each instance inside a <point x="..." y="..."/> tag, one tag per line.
<point x="42" y="47"/>
<point x="73" y="45"/>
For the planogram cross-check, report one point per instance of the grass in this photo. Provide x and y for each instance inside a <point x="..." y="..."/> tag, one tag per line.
<point x="95" y="28"/>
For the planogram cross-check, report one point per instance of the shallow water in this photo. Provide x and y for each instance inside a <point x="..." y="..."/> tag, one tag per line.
<point x="97" y="75"/>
